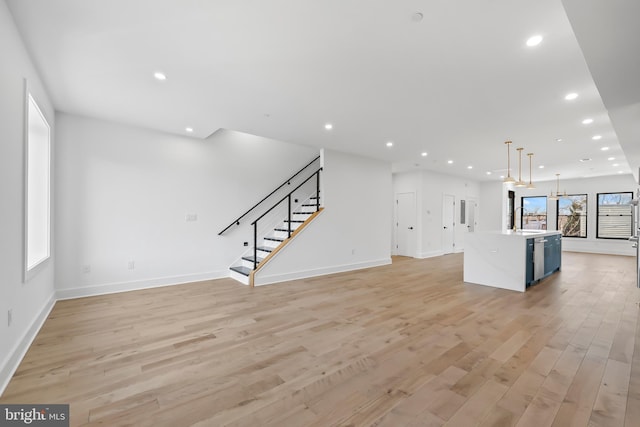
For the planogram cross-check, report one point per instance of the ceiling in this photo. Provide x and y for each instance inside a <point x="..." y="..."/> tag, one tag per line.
<point x="455" y="84"/>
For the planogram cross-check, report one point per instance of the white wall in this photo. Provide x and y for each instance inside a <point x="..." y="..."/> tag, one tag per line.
<point x="353" y="230"/>
<point x="124" y="193"/>
<point x="493" y="199"/>
<point x="29" y="301"/>
<point x="591" y="186"/>
<point x="430" y="187"/>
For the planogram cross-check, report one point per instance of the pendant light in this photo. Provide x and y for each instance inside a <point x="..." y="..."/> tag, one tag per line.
<point x="557" y="195"/>
<point x="530" y="186"/>
<point x="520" y="182"/>
<point x="509" y="179"/>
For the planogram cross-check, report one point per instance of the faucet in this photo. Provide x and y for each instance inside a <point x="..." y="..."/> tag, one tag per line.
<point x="515" y="223"/>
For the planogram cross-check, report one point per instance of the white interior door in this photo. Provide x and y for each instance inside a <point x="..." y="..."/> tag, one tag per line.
<point x="448" y="223"/>
<point x="406" y="224"/>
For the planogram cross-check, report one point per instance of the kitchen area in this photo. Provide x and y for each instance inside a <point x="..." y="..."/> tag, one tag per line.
<point x="512" y="259"/>
<point x="516" y="259"/>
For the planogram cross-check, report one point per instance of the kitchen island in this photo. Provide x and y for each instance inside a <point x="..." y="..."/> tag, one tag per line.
<point x="511" y="259"/>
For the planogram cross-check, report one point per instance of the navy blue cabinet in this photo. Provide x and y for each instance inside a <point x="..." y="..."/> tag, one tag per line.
<point x="552" y="254"/>
<point x="552" y="258"/>
<point x="529" y="264"/>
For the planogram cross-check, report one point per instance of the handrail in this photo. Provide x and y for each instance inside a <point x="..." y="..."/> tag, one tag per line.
<point x="285" y="197"/>
<point x="316" y="174"/>
<point x="287" y="182"/>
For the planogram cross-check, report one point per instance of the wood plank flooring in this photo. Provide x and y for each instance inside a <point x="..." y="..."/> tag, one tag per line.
<point x="407" y="344"/>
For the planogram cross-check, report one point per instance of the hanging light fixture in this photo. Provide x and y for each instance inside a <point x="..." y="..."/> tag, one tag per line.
<point x="557" y="194"/>
<point x="520" y="182"/>
<point x="509" y="179"/>
<point x="530" y="186"/>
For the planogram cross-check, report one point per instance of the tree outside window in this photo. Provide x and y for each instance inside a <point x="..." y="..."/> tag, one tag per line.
<point x="572" y="215"/>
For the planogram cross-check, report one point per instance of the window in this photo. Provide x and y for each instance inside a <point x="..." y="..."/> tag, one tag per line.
<point x="614" y="215"/>
<point x="511" y="209"/>
<point x="534" y="213"/>
<point x="572" y="215"/>
<point x="37" y="247"/>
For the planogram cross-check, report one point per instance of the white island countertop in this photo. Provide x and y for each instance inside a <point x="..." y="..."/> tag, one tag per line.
<point x="498" y="258"/>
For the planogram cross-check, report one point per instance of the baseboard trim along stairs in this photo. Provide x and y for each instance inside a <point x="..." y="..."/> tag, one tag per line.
<point x="273" y="243"/>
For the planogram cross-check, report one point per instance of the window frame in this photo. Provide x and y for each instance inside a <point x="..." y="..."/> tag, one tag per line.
<point x="630" y="193"/>
<point x="37" y="212"/>
<point x="546" y="211"/>
<point x="586" y="204"/>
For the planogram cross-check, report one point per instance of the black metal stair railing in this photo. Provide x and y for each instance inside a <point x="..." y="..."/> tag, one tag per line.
<point x="316" y="174"/>
<point x="287" y="182"/>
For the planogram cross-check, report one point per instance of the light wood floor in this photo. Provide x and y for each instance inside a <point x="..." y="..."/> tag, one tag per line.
<point x="402" y="345"/>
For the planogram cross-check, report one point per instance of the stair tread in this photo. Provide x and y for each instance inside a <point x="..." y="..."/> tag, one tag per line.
<point x="242" y="270"/>
<point x="250" y="258"/>
<point x="265" y="248"/>
<point x="285" y="230"/>
<point x="294" y="220"/>
<point x="275" y="239"/>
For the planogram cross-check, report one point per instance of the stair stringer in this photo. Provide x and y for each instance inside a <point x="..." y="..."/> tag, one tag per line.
<point x="282" y="245"/>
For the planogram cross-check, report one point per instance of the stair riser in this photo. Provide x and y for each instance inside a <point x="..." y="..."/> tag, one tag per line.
<point x="282" y="234"/>
<point x="263" y="254"/>
<point x="271" y="243"/>
<point x="248" y="264"/>
<point x="239" y="277"/>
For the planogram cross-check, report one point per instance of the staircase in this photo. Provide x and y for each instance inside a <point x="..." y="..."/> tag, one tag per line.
<point x="275" y="240"/>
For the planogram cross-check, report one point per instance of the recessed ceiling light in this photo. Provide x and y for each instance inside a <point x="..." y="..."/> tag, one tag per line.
<point x="620" y="171"/>
<point x="501" y="176"/>
<point x="558" y="139"/>
<point x="328" y="126"/>
<point x="604" y="148"/>
<point x="389" y="144"/>
<point x="586" y="159"/>
<point x="469" y="167"/>
<point x="541" y="167"/>
<point x="587" y="121"/>
<point x="188" y="129"/>
<point x="424" y="154"/>
<point x="611" y="158"/>
<point x="534" y="40"/>
<point x="615" y="164"/>
<point x="160" y="76"/>
<point x="488" y="173"/>
<point x="450" y="161"/>
<point x="571" y="96"/>
<point x="596" y="137"/>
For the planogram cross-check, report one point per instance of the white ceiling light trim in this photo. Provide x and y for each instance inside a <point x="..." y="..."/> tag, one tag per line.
<point x="534" y="40"/>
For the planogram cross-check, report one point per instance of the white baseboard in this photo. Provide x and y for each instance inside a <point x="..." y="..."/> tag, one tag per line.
<point x="431" y="254"/>
<point x="600" y="251"/>
<point x="16" y="354"/>
<point x="277" y="278"/>
<point x="112" y="288"/>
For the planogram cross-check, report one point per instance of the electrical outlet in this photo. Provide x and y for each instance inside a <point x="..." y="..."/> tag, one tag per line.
<point x="245" y="244"/>
<point x="9" y="317"/>
<point x="191" y="217"/>
<point x="131" y="265"/>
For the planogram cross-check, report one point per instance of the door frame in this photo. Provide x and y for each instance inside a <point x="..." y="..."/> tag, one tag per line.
<point x="395" y="222"/>
<point x="453" y="232"/>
